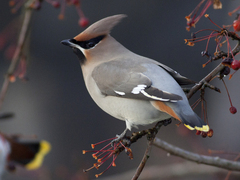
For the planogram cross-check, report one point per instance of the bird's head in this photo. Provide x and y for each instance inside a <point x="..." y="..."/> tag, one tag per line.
<point x="95" y="40"/>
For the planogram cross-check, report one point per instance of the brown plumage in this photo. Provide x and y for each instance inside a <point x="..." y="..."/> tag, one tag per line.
<point x="102" y="27"/>
<point x="165" y="108"/>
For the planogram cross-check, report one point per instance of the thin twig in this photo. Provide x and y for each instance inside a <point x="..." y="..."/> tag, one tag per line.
<point x="207" y="79"/>
<point x="201" y="159"/>
<point x="219" y="68"/>
<point x="151" y="137"/>
<point x="17" y="53"/>
<point x="144" y="160"/>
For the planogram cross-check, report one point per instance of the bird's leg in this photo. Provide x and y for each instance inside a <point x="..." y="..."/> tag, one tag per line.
<point x="119" y="137"/>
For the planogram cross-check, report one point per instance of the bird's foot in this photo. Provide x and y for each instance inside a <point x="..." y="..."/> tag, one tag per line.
<point x="116" y="140"/>
<point x="167" y="121"/>
<point x="121" y="138"/>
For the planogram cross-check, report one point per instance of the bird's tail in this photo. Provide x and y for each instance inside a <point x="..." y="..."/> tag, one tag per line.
<point x="193" y="122"/>
<point x="188" y="117"/>
<point x="184" y="113"/>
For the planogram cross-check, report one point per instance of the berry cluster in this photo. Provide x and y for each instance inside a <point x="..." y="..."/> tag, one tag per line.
<point x="235" y="65"/>
<point x="37" y="4"/>
<point x="205" y="134"/>
<point x="222" y="37"/>
<point x="231" y="63"/>
<point x="236" y="25"/>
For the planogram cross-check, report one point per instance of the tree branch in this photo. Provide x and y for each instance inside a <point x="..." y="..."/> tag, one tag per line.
<point x="219" y="68"/>
<point x="207" y="79"/>
<point x="151" y="136"/>
<point x="213" y="161"/>
<point x="17" y="53"/>
<point x="144" y="160"/>
<point x="173" y="171"/>
<point x="201" y="159"/>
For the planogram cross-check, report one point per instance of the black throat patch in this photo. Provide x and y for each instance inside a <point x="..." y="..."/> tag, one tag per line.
<point x="80" y="55"/>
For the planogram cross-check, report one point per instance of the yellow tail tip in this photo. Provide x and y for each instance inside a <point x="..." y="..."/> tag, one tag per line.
<point x="204" y="128"/>
<point x="189" y="127"/>
<point x="44" y="149"/>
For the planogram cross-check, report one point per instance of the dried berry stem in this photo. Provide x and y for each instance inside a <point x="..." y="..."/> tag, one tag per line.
<point x="219" y="68"/>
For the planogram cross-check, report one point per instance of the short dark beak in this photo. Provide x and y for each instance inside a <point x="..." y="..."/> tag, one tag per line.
<point x="66" y="42"/>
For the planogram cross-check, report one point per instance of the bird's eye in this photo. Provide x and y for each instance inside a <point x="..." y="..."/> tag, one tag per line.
<point x="90" y="44"/>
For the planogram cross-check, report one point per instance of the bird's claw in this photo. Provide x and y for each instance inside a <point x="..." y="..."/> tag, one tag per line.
<point x="167" y="122"/>
<point x="126" y="141"/>
<point x="117" y="139"/>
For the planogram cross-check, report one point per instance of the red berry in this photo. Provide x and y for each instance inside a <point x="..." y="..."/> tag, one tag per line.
<point x="203" y="134"/>
<point x="37" y="5"/>
<point x="68" y="2"/>
<point x="12" y="3"/>
<point x="56" y="4"/>
<point x="83" y="22"/>
<point x="233" y="110"/>
<point x="227" y="61"/>
<point x="236" y="25"/>
<point x="210" y="133"/>
<point x="75" y="2"/>
<point x="235" y="65"/>
<point x="198" y="132"/>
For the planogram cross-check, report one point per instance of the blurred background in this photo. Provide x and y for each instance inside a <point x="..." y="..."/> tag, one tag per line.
<point x="55" y="105"/>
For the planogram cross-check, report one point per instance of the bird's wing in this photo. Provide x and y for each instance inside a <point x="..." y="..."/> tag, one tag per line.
<point x="181" y="80"/>
<point x="123" y="79"/>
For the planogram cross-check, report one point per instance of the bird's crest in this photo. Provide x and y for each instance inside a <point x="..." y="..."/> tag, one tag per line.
<point x="101" y="27"/>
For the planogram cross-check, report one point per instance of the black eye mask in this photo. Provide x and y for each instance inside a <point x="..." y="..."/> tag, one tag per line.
<point x="88" y="44"/>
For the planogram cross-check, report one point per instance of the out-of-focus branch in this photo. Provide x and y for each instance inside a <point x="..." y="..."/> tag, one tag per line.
<point x="173" y="171"/>
<point x="201" y="159"/>
<point x="17" y="53"/>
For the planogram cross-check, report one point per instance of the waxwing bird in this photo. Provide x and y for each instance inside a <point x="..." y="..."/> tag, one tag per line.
<point x="29" y="154"/>
<point x="128" y="86"/>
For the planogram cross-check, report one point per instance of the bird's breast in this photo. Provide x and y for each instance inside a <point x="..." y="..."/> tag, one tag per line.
<point x="138" y="112"/>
